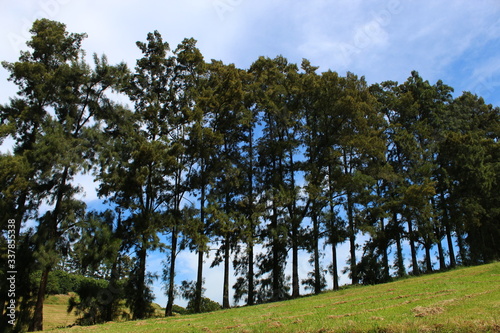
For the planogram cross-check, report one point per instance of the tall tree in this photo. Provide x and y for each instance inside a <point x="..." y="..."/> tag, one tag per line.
<point x="136" y="162"/>
<point x="182" y="93"/>
<point x="469" y="160"/>
<point x="416" y="114"/>
<point x="323" y="125"/>
<point x="278" y="101"/>
<point x="249" y="207"/>
<point x="61" y="96"/>
<point x="360" y="144"/>
<point x="314" y="167"/>
<point x="223" y="100"/>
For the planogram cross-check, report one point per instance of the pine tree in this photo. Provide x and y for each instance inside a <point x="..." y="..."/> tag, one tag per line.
<point x="187" y="67"/>
<point x="358" y="144"/>
<point x="277" y="99"/>
<point x="315" y="171"/>
<point x="136" y="162"/>
<point x="222" y="100"/>
<point x="61" y="96"/>
<point x="468" y="159"/>
<point x="416" y="114"/>
<point x="249" y="208"/>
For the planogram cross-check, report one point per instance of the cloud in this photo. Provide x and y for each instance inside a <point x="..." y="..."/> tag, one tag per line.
<point x="485" y="80"/>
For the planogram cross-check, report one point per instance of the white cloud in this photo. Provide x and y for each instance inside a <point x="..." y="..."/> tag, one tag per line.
<point x="88" y="186"/>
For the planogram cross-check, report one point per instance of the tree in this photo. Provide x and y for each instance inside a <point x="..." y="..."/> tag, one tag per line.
<point x="249" y="207"/>
<point x="391" y="195"/>
<point x="61" y="96"/>
<point x="98" y="253"/>
<point x="316" y="168"/>
<point x="136" y="162"/>
<point x="357" y="143"/>
<point x="276" y="81"/>
<point x="223" y="100"/>
<point x="187" y="66"/>
<point x="201" y="142"/>
<point x="416" y="113"/>
<point x="468" y="159"/>
<point x="322" y="167"/>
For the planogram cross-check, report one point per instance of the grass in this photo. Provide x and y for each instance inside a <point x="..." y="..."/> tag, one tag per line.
<point x="55" y="314"/>
<point x="462" y="300"/>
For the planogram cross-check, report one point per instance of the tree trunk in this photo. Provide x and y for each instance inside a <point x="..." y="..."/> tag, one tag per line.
<point x="37" y="322"/>
<point x="416" y="271"/>
<point x="317" y="269"/>
<point x="400" y="263"/>
<point x="442" y="264"/>
<point x="295" y="234"/>
<point x="251" y="291"/>
<point x="199" y="277"/>
<point x="225" y="294"/>
<point x="295" y="262"/>
<point x="428" y="260"/>
<point x="352" y="239"/>
<point x="199" y="283"/>
<point x="446" y="220"/>
<point x="276" y="266"/>
<point x="139" y="308"/>
<point x="461" y="249"/>
<point x="171" y="276"/>
<point x="250" y="244"/>
<point x="333" y="238"/>
<point x="109" y="307"/>
<point x="334" y="267"/>
<point x="453" y="261"/>
<point x="385" y="258"/>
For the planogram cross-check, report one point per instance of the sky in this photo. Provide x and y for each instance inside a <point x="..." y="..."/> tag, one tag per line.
<point x="455" y="41"/>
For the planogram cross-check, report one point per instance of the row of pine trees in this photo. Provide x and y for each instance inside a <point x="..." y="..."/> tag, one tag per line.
<point x="260" y="164"/>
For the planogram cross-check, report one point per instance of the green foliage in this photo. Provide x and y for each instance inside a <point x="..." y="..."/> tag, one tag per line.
<point x="207" y="305"/>
<point x="89" y="305"/>
<point x="59" y="98"/>
<point x="370" y="268"/>
<point x="61" y="282"/>
<point x="188" y="292"/>
<point x="179" y="309"/>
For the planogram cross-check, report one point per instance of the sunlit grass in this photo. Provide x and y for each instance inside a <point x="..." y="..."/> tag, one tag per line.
<point x="462" y="300"/>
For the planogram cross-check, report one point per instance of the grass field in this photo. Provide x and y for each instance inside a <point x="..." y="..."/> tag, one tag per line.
<point x="55" y="314"/>
<point x="462" y="300"/>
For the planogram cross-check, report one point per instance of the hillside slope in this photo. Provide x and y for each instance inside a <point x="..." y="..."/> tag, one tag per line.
<point x="462" y="300"/>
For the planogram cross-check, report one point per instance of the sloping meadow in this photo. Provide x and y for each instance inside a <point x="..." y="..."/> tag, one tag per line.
<point x="462" y="300"/>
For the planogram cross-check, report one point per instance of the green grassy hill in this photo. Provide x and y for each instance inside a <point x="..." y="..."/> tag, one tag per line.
<point x="462" y="300"/>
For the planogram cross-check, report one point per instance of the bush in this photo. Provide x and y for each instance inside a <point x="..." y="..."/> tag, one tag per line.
<point x="207" y="305"/>
<point x="179" y="309"/>
<point x="90" y="304"/>
<point x="60" y="282"/>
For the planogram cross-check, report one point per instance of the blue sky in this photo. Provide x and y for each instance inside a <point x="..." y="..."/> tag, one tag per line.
<point x="455" y="41"/>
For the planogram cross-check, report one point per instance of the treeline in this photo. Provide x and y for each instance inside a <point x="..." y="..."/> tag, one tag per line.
<point x="260" y="164"/>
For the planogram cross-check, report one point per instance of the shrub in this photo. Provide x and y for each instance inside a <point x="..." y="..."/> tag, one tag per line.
<point x="207" y="305"/>
<point x="90" y="304"/>
<point x="179" y="309"/>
